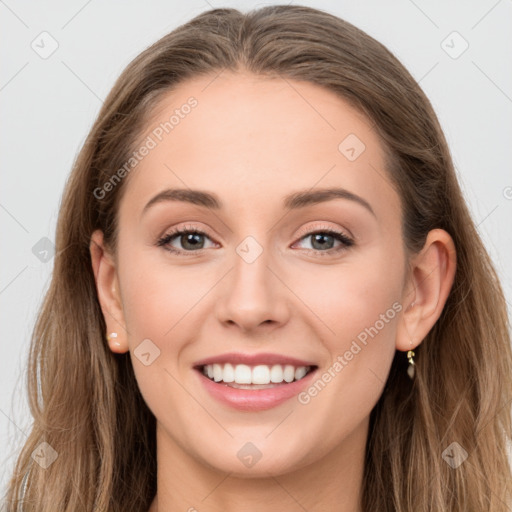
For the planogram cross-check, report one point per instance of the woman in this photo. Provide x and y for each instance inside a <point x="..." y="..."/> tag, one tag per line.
<point x="268" y="291"/>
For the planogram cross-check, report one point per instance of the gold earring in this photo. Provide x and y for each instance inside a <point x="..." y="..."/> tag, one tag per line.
<point x="410" y="369"/>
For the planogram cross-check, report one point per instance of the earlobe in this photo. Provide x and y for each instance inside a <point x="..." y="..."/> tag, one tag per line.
<point x="109" y="296"/>
<point x="428" y="286"/>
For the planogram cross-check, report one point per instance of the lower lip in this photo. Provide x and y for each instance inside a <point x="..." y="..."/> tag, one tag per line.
<point x="257" y="399"/>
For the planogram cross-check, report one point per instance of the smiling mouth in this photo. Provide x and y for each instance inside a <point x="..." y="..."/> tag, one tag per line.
<point x="241" y="376"/>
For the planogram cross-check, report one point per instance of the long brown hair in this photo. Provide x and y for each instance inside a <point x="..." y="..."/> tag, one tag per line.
<point x="85" y="400"/>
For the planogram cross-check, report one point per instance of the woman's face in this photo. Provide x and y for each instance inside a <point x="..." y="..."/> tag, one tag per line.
<point x="259" y="280"/>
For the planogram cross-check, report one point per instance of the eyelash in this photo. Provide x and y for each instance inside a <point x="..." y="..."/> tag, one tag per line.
<point x="341" y="237"/>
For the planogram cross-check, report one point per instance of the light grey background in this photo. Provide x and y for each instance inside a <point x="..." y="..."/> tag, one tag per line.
<point x="48" y="106"/>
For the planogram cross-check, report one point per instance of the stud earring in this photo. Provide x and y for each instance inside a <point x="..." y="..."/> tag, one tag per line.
<point x="410" y="369"/>
<point x="112" y="336"/>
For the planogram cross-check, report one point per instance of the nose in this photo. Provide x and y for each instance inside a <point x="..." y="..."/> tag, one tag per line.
<point x="253" y="295"/>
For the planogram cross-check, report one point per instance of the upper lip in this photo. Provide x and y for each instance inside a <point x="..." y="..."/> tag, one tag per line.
<point x="253" y="359"/>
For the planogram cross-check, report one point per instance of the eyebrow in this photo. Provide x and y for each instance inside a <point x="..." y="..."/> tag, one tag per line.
<point x="293" y="201"/>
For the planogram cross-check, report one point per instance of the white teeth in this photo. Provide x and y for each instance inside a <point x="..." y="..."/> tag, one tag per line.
<point x="217" y="372"/>
<point x="289" y="373"/>
<point x="260" y="374"/>
<point x="300" y="372"/>
<point x="276" y="373"/>
<point x="243" y="374"/>
<point x="228" y="375"/>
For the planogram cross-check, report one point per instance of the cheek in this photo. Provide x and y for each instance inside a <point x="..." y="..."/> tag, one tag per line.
<point x="353" y="296"/>
<point x="156" y="293"/>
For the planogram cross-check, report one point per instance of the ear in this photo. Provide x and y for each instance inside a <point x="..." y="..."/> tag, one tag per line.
<point x="428" y="284"/>
<point x="109" y="297"/>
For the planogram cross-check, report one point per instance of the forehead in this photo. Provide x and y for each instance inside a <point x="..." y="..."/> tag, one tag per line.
<point x="253" y="140"/>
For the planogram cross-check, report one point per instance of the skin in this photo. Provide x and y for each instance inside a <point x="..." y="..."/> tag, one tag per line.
<point x="251" y="141"/>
